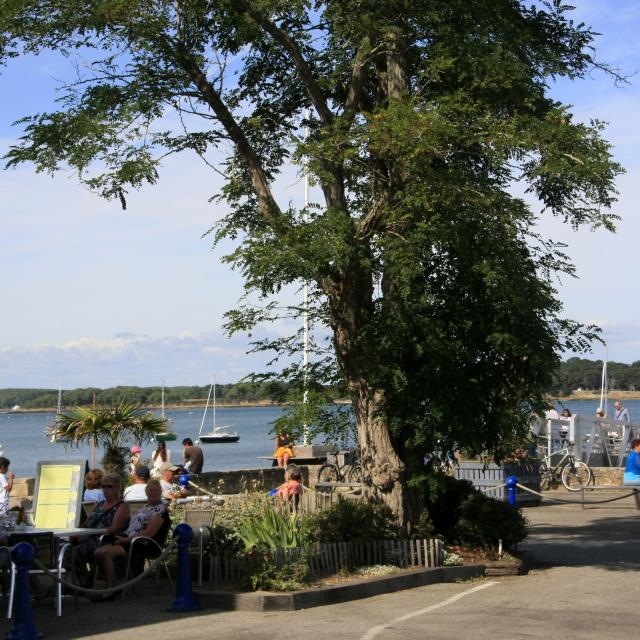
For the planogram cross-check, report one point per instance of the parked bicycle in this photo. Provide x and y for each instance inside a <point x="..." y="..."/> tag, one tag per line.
<point x="574" y="474"/>
<point x="333" y="471"/>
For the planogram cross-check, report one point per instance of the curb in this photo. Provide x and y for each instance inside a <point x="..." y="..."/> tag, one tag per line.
<point x="264" y="601"/>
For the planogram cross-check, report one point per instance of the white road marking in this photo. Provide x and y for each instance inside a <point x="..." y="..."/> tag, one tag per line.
<point x="374" y="631"/>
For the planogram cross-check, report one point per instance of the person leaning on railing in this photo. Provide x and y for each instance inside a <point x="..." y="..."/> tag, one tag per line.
<point x="632" y="470"/>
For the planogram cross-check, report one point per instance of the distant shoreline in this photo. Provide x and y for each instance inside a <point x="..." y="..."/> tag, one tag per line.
<point x="191" y="407"/>
<point x="595" y="395"/>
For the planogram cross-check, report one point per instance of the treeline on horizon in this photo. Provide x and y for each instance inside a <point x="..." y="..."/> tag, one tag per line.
<point x="572" y="375"/>
<point x="586" y="375"/>
<point x="237" y="393"/>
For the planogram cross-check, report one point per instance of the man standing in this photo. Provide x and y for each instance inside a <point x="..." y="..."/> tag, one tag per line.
<point x="622" y="415"/>
<point x="193" y="456"/>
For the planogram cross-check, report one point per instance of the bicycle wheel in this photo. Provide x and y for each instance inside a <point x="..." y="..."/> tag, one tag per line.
<point x="354" y="474"/>
<point x="328" y="473"/>
<point x="576" y="475"/>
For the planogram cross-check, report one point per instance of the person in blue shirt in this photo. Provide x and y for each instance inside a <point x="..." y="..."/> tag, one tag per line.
<point x="632" y="470"/>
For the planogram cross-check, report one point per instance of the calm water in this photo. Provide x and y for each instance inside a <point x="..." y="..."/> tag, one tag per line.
<point x="24" y="443"/>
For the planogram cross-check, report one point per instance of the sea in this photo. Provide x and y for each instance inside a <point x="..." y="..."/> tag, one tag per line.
<point x="23" y="439"/>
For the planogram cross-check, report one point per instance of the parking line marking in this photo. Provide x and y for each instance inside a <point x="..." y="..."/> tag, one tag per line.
<point x="374" y="631"/>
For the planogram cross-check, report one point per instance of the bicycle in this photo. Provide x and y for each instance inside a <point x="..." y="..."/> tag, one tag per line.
<point x="574" y="474"/>
<point x="332" y="471"/>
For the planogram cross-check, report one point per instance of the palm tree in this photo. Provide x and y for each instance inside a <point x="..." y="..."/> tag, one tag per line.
<point x="110" y="427"/>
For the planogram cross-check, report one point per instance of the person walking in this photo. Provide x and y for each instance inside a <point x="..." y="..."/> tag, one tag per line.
<point x="622" y="413"/>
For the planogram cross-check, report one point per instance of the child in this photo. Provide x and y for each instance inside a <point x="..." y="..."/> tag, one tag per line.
<point x="136" y="452"/>
<point x="6" y="484"/>
<point x="292" y="488"/>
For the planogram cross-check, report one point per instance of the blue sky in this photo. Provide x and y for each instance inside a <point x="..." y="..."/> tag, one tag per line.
<point x="101" y="296"/>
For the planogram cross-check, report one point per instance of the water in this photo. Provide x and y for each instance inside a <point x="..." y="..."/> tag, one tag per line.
<point x="22" y="436"/>
<point x="24" y="443"/>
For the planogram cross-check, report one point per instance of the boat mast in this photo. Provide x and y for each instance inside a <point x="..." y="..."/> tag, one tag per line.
<point x="305" y="307"/>
<point x="59" y="407"/>
<point x="162" y="410"/>
<point x="204" y="415"/>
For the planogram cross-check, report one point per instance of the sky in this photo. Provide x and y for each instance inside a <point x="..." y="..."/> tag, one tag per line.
<point x="98" y="296"/>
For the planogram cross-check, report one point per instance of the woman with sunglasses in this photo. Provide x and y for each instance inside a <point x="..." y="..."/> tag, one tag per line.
<point x="111" y="514"/>
<point x="152" y="521"/>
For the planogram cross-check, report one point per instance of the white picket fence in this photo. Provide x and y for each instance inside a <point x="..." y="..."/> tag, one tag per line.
<point x="328" y="559"/>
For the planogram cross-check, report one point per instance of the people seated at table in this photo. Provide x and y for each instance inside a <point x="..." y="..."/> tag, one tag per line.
<point x="93" y="486"/>
<point x="152" y="521"/>
<point x="284" y="449"/>
<point x="159" y="456"/>
<point x="136" y="491"/>
<point x="111" y="514"/>
<point x="632" y="469"/>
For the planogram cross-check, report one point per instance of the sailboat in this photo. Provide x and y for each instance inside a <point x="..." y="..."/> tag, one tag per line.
<point x="218" y="435"/>
<point x="168" y="436"/>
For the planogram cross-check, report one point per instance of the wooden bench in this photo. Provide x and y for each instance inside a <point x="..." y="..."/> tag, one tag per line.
<point x="635" y="489"/>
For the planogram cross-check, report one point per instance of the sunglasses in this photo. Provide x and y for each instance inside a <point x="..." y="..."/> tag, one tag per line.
<point x="108" y="486"/>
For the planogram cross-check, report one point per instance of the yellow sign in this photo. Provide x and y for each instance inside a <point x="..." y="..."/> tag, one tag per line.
<point x="58" y="494"/>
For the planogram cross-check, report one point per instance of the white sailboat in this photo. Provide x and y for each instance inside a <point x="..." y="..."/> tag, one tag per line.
<point x="218" y="434"/>
<point x="169" y="436"/>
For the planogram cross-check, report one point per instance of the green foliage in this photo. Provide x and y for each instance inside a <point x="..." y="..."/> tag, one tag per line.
<point x="465" y="516"/>
<point x="484" y="521"/>
<point x="348" y="520"/>
<point x="110" y="427"/>
<point x="425" y="270"/>
<point x="261" y="574"/>
<point x="273" y="528"/>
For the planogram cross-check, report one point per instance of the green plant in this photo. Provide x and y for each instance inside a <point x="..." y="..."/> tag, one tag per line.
<point x="484" y="521"/>
<point x="260" y="573"/>
<point x="110" y="427"/>
<point x="354" y="520"/>
<point x="272" y="529"/>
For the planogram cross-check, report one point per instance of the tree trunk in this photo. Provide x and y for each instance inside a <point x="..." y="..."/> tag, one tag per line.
<point x="113" y="461"/>
<point x="384" y="472"/>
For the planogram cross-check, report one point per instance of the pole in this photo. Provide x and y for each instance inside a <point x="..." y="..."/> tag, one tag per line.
<point x="185" y="599"/>
<point x="23" y="628"/>
<point x="305" y="307"/>
<point x="511" y="483"/>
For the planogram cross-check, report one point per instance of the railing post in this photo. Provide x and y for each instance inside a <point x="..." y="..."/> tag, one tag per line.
<point x="511" y="483"/>
<point x="185" y="599"/>
<point x="23" y="628"/>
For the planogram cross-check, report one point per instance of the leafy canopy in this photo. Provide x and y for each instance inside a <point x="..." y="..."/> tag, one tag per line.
<point x="426" y="269"/>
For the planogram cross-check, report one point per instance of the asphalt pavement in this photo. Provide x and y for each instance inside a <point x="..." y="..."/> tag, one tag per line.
<point x="585" y="585"/>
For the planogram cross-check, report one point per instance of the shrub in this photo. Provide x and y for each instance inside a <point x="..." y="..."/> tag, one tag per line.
<point x="485" y="520"/>
<point x="465" y="516"/>
<point x="260" y="573"/>
<point x="271" y="528"/>
<point x="348" y="520"/>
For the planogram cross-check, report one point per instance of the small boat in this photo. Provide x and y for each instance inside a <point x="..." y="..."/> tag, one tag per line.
<point x="168" y="436"/>
<point x="218" y="435"/>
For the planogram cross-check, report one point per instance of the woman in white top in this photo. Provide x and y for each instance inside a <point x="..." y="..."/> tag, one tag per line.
<point x="160" y="455"/>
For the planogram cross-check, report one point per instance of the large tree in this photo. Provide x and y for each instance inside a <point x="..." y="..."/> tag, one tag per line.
<point x="426" y="117"/>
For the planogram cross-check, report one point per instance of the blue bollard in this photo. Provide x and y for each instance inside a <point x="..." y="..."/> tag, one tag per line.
<point x="23" y="627"/>
<point x="185" y="600"/>
<point x="511" y="483"/>
<point x="184" y="480"/>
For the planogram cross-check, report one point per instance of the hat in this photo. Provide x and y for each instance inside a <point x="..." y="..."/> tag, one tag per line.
<point x="167" y="466"/>
<point x="136" y="449"/>
<point x="142" y="471"/>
